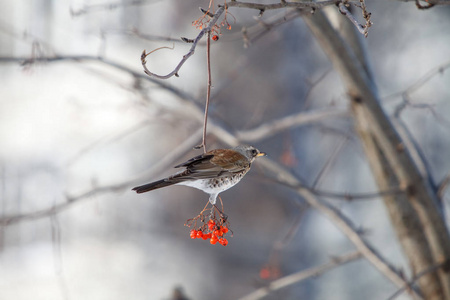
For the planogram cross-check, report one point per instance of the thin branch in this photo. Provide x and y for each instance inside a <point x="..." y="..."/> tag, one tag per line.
<point x="363" y="29"/>
<point x="302" y="275"/>
<point x="283" y="4"/>
<point x="409" y="284"/>
<point x="207" y="29"/>
<point x="330" y="162"/>
<point x="433" y="2"/>
<point x="421" y="81"/>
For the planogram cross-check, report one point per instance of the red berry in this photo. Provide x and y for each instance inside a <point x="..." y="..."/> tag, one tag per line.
<point x="213" y="239"/>
<point x="218" y="233"/>
<point x="215" y="37"/>
<point x="211" y="225"/>
<point x="223" y="241"/>
<point x="224" y="229"/>
<point x="193" y="234"/>
<point x="199" y="234"/>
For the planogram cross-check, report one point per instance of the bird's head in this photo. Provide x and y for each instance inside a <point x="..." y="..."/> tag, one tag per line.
<point x="249" y="151"/>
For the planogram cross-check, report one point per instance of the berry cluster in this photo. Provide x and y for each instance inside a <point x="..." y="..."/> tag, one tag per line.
<point x="212" y="231"/>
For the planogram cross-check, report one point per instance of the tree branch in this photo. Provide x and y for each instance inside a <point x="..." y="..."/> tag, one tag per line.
<point x="207" y="29"/>
<point x="269" y="129"/>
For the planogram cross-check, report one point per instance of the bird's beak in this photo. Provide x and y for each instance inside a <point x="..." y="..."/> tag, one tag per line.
<point x="261" y="154"/>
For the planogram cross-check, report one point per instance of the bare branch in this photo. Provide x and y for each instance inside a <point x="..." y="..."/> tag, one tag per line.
<point x="108" y="6"/>
<point x="283" y="4"/>
<point x="409" y="284"/>
<point x="157" y="168"/>
<point x="363" y="29"/>
<point x="439" y="70"/>
<point x="302" y="275"/>
<point x="211" y="23"/>
<point x="429" y="2"/>
<point x="269" y="129"/>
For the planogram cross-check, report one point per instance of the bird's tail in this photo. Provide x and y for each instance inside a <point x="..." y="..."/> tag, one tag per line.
<point x="154" y="185"/>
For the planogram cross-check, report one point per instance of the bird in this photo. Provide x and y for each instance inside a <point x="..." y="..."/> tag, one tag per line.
<point x="212" y="172"/>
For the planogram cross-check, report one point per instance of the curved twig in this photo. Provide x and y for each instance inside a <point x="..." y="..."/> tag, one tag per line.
<point x="212" y="22"/>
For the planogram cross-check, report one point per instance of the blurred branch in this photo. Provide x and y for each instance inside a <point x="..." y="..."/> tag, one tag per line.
<point x="284" y="4"/>
<point x="445" y="183"/>
<point x="433" y="2"/>
<point x="439" y="70"/>
<point x="329" y="162"/>
<point x="108" y="6"/>
<point x="156" y="168"/>
<point x="413" y="280"/>
<point x="269" y="129"/>
<point x="302" y="275"/>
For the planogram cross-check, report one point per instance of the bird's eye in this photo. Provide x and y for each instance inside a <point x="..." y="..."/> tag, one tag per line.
<point x="254" y="152"/>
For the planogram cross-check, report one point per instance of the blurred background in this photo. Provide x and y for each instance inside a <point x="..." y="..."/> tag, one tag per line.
<point x="78" y="132"/>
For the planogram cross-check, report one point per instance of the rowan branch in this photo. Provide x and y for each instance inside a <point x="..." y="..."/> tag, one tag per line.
<point x="207" y="29"/>
<point x="363" y="29"/>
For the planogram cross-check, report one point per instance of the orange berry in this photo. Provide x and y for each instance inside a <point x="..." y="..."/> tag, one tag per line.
<point x="223" y="241"/>
<point x="224" y="229"/>
<point x="213" y="240"/>
<point x="199" y="234"/>
<point x="218" y="232"/>
<point x="215" y="37"/>
<point x="193" y="234"/>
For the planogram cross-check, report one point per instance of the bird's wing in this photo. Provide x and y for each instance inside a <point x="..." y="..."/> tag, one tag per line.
<point x="213" y="164"/>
